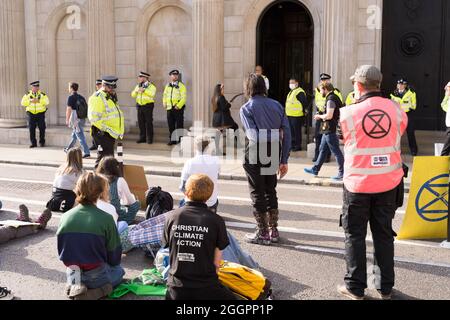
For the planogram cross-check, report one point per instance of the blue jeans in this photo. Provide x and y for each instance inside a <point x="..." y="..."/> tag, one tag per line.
<point x="99" y="277"/>
<point x="330" y="141"/>
<point x="79" y="136"/>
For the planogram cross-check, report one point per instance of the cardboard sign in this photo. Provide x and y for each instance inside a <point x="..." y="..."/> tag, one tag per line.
<point x="137" y="181"/>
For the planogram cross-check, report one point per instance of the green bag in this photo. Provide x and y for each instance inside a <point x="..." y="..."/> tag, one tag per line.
<point x="148" y="284"/>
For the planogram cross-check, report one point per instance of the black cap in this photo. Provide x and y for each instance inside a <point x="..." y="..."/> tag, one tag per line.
<point x="144" y="74"/>
<point x="402" y="81"/>
<point x="98" y="82"/>
<point x="174" y="72"/>
<point x="325" y="76"/>
<point x="35" y="84"/>
<point x="110" y="80"/>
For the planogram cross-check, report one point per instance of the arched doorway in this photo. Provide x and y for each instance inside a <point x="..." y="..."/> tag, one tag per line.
<point x="285" y="45"/>
<point x="169" y="46"/>
<point x="71" y="63"/>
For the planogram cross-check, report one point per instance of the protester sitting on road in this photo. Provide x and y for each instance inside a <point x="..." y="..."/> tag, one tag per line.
<point x="8" y="233"/>
<point x="222" y="119"/>
<point x="89" y="244"/>
<point x="63" y="197"/>
<point x="203" y="163"/>
<point x="196" y="238"/>
<point x="120" y="195"/>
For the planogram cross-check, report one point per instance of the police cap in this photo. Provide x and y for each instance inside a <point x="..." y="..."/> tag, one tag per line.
<point x="402" y="81"/>
<point x="144" y="74"/>
<point x="35" y="84"/>
<point x="174" y="73"/>
<point x="325" y="76"/>
<point x="110" y="81"/>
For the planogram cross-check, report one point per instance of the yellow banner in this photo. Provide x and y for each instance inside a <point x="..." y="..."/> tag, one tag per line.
<point x="427" y="212"/>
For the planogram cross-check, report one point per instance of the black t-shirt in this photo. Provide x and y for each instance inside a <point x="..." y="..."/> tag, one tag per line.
<point x="192" y="234"/>
<point x="72" y="101"/>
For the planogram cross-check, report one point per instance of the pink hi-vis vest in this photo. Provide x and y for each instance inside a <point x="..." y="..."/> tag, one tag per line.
<point x="372" y="133"/>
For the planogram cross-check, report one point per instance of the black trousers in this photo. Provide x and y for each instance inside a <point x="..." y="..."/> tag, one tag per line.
<point x="446" y="150"/>
<point x="145" y="120"/>
<point x="318" y="138"/>
<point x="37" y="120"/>
<point x="262" y="188"/>
<point x="411" y="132"/>
<point x="296" y="124"/>
<point x="175" y="120"/>
<point x="378" y="210"/>
<point x="106" y="142"/>
<point x="215" y="293"/>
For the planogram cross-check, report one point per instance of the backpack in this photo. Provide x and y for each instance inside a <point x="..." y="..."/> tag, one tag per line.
<point x="82" y="108"/>
<point x="246" y="283"/>
<point x="158" y="202"/>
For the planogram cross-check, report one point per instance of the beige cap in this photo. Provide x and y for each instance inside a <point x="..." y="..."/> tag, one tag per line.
<point x="367" y="73"/>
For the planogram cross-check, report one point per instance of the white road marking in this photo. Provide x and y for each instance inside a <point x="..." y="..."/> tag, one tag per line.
<point x="398" y="259"/>
<point x="329" y="234"/>
<point x="23" y="201"/>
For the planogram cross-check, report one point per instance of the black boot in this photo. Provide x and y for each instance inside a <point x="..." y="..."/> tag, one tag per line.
<point x="273" y="224"/>
<point x="262" y="235"/>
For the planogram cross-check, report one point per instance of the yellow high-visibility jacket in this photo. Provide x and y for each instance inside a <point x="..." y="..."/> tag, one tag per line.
<point x="321" y="101"/>
<point x="175" y="96"/>
<point x="444" y="104"/>
<point x="35" y="108"/>
<point x="408" y="102"/>
<point x="146" y="97"/>
<point x="106" y="115"/>
<point x="294" y="108"/>
<point x="350" y="99"/>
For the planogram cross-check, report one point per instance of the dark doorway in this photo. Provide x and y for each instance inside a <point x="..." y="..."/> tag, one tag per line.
<point x="285" y="46"/>
<point x="416" y="45"/>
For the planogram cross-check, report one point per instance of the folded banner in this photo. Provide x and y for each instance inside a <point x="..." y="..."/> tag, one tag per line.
<point x="137" y="181"/>
<point x="427" y="212"/>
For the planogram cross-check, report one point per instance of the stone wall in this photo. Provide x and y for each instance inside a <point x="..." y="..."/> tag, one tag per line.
<point x="128" y="36"/>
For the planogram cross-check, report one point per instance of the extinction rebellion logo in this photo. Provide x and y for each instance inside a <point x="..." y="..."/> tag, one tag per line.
<point x="377" y="124"/>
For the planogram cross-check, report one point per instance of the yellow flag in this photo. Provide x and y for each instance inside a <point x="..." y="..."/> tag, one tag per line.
<point x="427" y="212"/>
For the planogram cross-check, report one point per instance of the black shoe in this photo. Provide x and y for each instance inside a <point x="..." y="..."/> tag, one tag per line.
<point x="42" y="145"/>
<point x="140" y="141"/>
<point x="33" y="146"/>
<point x="93" y="148"/>
<point x="149" y="142"/>
<point x="86" y="156"/>
<point x="171" y="143"/>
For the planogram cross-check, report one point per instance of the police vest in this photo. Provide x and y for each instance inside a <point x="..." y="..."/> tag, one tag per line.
<point x="294" y="108"/>
<point x="38" y="107"/>
<point x="350" y="99"/>
<point x="321" y="101"/>
<point x="146" y="97"/>
<point x="372" y="133"/>
<point x="408" y="102"/>
<point x="105" y="115"/>
<point x="175" y="96"/>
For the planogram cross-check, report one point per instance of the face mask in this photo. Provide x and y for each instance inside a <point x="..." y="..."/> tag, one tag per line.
<point x="292" y="86"/>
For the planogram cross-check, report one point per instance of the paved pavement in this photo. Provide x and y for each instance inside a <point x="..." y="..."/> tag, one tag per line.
<point x="161" y="160"/>
<point x="307" y="264"/>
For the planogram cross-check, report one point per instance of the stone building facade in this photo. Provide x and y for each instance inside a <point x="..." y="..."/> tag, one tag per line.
<point x="209" y="41"/>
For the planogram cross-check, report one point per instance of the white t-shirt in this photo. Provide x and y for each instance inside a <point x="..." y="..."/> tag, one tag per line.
<point x="204" y="164"/>
<point x="125" y="195"/>
<point x="108" y="208"/>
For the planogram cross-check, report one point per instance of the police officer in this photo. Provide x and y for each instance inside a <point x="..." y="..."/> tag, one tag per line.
<point x="373" y="182"/>
<point x="145" y="93"/>
<point x="320" y="102"/>
<point x="407" y="99"/>
<point x="106" y="118"/>
<point x="36" y="103"/>
<point x="295" y="111"/>
<point x="174" y="100"/>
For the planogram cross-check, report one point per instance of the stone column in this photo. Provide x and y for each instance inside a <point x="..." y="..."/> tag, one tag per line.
<point x="208" y="54"/>
<point x="340" y="37"/>
<point x="13" y="63"/>
<point x="101" y="39"/>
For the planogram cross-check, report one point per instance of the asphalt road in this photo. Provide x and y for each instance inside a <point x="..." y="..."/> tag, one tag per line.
<point x="307" y="264"/>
